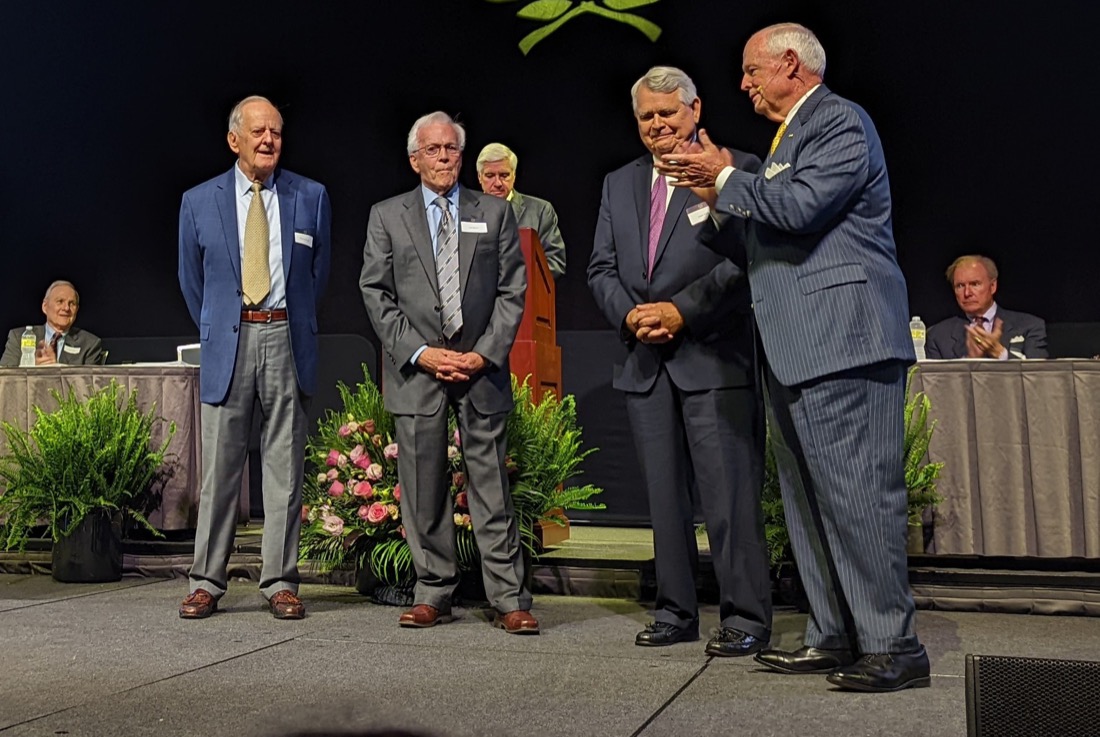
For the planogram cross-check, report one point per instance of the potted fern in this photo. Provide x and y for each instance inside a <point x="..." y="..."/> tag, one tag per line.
<point x="920" y="473"/>
<point x="78" y="472"/>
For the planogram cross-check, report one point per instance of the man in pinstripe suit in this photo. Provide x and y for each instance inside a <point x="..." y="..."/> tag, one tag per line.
<point x="831" y="305"/>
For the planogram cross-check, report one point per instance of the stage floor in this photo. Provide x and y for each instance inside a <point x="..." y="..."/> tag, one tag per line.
<point x="115" y="659"/>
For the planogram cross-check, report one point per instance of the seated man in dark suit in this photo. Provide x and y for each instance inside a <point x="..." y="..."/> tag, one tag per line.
<point x="57" y="341"/>
<point x="496" y="171"/>
<point x="985" y="329"/>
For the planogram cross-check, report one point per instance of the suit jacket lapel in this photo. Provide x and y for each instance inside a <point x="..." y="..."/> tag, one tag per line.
<point x="288" y="200"/>
<point x="227" y="208"/>
<point x="416" y="222"/>
<point x="468" y="210"/>
<point x="643" y="186"/>
<point x="519" y="204"/>
<point x="673" y="214"/>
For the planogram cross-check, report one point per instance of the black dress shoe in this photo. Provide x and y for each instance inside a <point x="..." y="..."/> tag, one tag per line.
<point x="730" y="643"/>
<point x="659" y="634"/>
<point x="805" y="659"/>
<point x="884" y="672"/>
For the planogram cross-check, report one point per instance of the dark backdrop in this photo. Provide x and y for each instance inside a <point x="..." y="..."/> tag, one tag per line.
<point x="110" y="110"/>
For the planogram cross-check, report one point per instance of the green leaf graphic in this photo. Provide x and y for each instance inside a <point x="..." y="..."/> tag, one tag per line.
<point x="544" y="9"/>
<point x="627" y="4"/>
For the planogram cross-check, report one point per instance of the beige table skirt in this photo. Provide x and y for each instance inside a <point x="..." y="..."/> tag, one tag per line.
<point x="1021" y="444"/>
<point x="173" y="389"/>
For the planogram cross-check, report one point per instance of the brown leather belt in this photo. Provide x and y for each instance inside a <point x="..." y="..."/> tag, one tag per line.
<point x="263" y="315"/>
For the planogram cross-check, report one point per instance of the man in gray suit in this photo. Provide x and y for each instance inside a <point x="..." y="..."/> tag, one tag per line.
<point x="496" y="171"/>
<point x="58" y="341"/>
<point x="985" y="329"/>
<point x="443" y="281"/>
<point x="683" y="313"/>
<point x="831" y="306"/>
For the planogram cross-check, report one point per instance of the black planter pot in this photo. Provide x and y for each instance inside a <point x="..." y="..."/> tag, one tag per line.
<point x="92" y="553"/>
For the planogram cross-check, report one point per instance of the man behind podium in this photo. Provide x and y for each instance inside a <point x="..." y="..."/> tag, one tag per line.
<point x="443" y="281"/>
<point x="254" y="257"/>
<point x="58" y="341"/>
<point x="496" y="171"/>
<point x="683" y="313"/>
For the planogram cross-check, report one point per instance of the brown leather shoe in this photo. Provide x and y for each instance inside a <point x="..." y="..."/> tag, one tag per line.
<point x="285" y="604"/>
<point x="424" y="615"/>
<point x="199" y="604"/>
<point x="519" y="622"/>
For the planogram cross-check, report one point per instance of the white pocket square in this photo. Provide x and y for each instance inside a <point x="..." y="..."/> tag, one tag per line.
<point x="1016" y="339"/>
<point x="774" y="168"/>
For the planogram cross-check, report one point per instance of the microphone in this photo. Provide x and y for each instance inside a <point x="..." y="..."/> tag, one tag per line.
<point x="760" y="88"/>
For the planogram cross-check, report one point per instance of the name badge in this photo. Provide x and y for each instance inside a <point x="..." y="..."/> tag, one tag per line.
<point x="473" y="227"/>
<point x="70" y="348"/>
<point x="304" y="238"/>
<point x="698" y="213"/>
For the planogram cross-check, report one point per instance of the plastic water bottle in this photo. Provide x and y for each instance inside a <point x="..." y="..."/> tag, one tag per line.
<point x="27" y="345"/>
<point x="917" y="330"/>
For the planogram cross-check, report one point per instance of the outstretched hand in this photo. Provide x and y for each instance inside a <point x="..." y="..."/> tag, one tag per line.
<point x="697" y="167"/>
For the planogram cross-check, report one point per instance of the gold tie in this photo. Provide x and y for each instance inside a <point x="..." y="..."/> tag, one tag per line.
<point x="255" y="271"/>
<point x="778" y="137"/>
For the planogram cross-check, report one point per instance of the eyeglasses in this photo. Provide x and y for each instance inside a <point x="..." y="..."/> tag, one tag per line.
<point x="434" y="149"/>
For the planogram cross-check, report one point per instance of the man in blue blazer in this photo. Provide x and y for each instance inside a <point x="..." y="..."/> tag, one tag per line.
<point x="254" y="254"/>
<point x="831" y="306"/>
<point x="985" y="329"/>
<point x="683" y="313"/>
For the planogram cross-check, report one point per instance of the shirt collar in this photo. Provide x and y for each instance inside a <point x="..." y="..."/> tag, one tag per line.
<point x="244" y="184"/>
<point x="790" y="115"/>
<point x="429" y="196"/>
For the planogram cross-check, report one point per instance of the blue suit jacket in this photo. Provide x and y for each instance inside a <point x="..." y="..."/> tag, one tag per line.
<point x="715" y="349"/>
<point x="1024" y="335"/>
<point x="827" y="291"/>
<point x="210" y="273"/>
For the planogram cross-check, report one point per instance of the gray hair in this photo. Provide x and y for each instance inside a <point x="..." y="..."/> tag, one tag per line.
<point x="236" y="115"/>
<point x="437" y="118"/>
<point x="973" y="258"/>
<point x="496" y="152"/>
<point x="61" y="283"/>
<point x="665" y="79"/>
<point x="799" y="39"/>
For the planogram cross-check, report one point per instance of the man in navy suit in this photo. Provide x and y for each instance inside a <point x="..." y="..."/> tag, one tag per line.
<point x="254" y="256"/>
<point x="985" y="329"/>
<point x="831" y="307"/>
<point x="683" y="313"/>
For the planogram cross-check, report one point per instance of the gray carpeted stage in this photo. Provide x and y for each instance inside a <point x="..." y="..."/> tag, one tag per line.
<point x="114" y="659"/>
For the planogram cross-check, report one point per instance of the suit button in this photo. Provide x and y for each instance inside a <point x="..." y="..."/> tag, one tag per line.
<point x="437" y="308"/>
<point x="234" y="328"/>
<point x="439" y="341"/>
<point x="238" y="293"/>
<point x="643" y="274"/>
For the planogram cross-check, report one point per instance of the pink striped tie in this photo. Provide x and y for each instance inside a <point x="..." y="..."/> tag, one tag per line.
<point x="657" y="206"/>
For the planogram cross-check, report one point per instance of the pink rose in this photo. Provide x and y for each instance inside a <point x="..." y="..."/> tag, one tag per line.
<point x="377" y="513"/>
<point x="377" y="440"/>
<point x="458" y="440"/>
<point x="332" y="475"/>
<point x="356" y="452"/>
<point x="333" y="525"/>
<point x="458" y="479"/>
<point x="397" y="492"/>
<point x="333" y="458"/>
<point x="401" y="529"/>
<point x="344" y="431"/>
<point x="364" y="489"/>
<point x="341" y="460"/>
<point x="374" y="472"/>
<point x="363" y="462"/>
<point x="305" y="513"/>
<point x="337" y="489"/>
<point x="390" y="451"/>
<point x="461" y="500"/>
<point x="364" y="511"/>
<point x="369" y="427"/>
<point x="466" y="521"/>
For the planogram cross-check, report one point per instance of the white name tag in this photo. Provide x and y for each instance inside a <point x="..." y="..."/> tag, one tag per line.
<point x="472" y="227"/>
<point x="304" y="238"/>
<point x="70" y="348"/>
<point x="698" y="213"/>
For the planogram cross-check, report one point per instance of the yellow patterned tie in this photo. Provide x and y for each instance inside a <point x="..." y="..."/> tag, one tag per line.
<point x="778" y="137"/>
<point x="255" y="271"/>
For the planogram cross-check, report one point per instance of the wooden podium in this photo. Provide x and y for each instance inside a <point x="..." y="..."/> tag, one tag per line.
<point x="536" y="352"/>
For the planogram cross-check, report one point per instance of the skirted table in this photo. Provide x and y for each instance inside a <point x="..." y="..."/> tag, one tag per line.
<point x="1021" y="445"/>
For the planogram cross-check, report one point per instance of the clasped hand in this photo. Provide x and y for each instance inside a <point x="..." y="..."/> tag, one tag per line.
<point x="44" y="355"/>
<point x="657" y="322"/>
<point x="982" y="343"/>
<point x="451" y="366"/>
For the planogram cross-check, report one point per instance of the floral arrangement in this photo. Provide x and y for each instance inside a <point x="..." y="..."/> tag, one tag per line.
<point x="351" y="515"/>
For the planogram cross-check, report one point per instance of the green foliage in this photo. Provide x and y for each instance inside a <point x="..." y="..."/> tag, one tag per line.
<point x="87" y="455"/>
<point x="353" y="469"/>
<point x="775" y="524"/>
<point x="555" y="13"/>
<point x="920" y="474"/>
